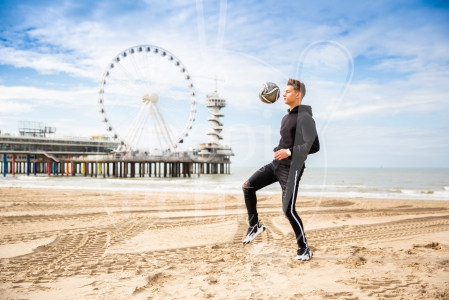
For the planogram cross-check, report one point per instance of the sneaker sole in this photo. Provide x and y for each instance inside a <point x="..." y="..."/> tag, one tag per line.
<point x="301" y="258"/>
<point x="245" y="242"/>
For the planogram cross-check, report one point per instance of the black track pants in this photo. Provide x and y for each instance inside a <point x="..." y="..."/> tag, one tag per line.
<point x="267" y="175"/>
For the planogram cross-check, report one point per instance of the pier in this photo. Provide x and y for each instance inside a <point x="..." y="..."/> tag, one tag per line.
<point x="94" y="158"/>
<point x="107" y="166"/>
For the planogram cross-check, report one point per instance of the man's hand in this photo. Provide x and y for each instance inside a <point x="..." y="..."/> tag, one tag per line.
<point x="281" y="154"/>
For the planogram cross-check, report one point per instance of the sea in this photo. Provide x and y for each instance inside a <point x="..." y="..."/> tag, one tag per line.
<point x="385" y="183"/>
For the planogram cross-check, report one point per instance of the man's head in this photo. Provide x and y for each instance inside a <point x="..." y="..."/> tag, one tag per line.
<point x="294" y="93"/>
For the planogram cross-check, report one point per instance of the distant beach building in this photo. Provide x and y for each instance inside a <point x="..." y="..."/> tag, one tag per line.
<point x="38" y="137"/>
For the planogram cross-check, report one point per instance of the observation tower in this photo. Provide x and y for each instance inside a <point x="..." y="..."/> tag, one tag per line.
<point x="213" y="151"/>
<point x="215" y="103"/>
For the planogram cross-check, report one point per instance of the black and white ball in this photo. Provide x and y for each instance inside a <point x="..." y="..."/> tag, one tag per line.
<point x="269" y="92"/>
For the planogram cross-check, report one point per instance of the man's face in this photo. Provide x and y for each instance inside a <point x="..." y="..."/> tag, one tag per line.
<point x="291" y="96"/>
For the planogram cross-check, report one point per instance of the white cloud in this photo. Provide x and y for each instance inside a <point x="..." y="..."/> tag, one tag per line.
<point x="48" y="98"/>
<point x="14" y="108"/>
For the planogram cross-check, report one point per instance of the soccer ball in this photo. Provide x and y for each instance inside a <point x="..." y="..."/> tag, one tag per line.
<point x="269" y="92"/>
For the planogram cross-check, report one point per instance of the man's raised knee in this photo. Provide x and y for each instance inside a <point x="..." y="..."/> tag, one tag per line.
<point x="246" y="185"/>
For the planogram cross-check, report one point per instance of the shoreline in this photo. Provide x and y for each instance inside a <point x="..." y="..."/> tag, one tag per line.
<point x="418" y="197"/>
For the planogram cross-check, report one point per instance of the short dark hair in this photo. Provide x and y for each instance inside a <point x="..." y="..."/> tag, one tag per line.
<point x="297" y="86"/>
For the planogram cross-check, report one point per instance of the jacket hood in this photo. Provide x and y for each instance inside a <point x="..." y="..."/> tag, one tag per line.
<point x="306" y="108"/>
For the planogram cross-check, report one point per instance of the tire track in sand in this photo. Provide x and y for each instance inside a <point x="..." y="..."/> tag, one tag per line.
<point x="82" y="252"/>
<point x="355" y="233"/>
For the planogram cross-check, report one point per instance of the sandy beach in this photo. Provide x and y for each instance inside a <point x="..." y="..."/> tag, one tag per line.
<point x="77" y="244"/>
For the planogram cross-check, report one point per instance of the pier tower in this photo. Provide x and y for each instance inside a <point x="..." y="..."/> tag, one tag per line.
<point x="216" y="156"/>
<point x="215" y="103"/>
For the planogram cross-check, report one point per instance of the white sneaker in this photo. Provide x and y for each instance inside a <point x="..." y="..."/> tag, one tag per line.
<point x="252" y="233"/>
<point x="304" y="254"/>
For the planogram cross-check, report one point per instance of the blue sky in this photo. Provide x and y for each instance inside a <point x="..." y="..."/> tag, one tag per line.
<point x="393" y="112"/>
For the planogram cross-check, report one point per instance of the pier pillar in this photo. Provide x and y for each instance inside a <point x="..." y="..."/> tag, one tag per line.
<point x="114" y="169"/>
<point x="28" y="166"/>
<point x="133" y="170"/>
<point x="5" y="165"/>
<point x="48" y="168"/>
<point x="13" y="167"/>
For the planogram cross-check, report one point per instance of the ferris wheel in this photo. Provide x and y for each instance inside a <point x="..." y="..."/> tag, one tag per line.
<point x="147" y="99"/>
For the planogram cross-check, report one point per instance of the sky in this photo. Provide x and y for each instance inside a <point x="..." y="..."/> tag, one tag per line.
<point x="376" y="72"/>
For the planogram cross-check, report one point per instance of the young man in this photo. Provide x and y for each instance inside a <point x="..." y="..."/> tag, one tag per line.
<point x="298" y="139"/>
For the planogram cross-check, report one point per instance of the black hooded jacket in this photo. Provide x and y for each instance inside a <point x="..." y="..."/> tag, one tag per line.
<point x="299" y="118"/>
